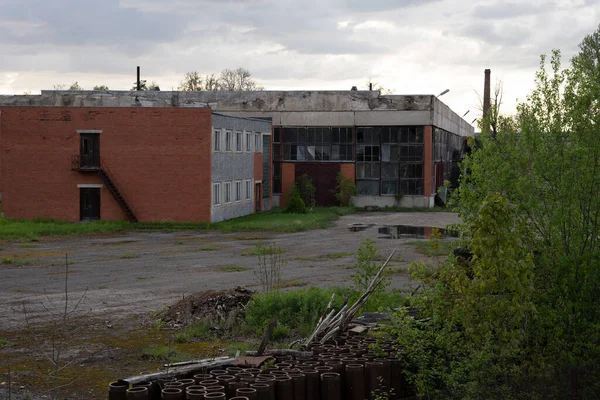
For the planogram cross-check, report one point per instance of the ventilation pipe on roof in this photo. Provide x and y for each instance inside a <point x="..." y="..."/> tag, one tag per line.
<point x="138" y="82"/>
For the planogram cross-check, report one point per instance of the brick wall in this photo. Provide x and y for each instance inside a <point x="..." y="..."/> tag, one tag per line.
<point x="348" y="169"/>
<point x="160" y="158"/>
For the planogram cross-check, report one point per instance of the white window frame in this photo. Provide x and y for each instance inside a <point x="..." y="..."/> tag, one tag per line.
<point x="238" y="190"/>
<point x="216" y="194"/>
<point x="248" y="189"/>
<point x="228" y="141"/>
<point x="239" y="141"/>
<point x="258" y="142"/>
<point x="217" y="142"/>
<point x="227" y="192"/>
<point x="248" y="141"/>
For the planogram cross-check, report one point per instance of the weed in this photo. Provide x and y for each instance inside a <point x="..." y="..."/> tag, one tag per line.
<point x="288" y="283"/>
<point x="161" y="353"/>
<point x="3" y="342"/>
<point x="341" y="254"/>
<point x="209" y="248"/>
<point x="398" y="270"/>
<point x="128" y="256"/>
<point x="281" y="331"/>
<point x="199" y="330"/>
<point x="261" y="249"/>
<point x="367" y="267"/>
<point x="141" y="278"/>
<point x="7" y="261"/>
<point x="344" y="189"/>
<point x="232" y="268"/>
<point x="270" y="266"/>
<point x="433" y="248"/>
<point x="299" y="310"/>
<point x="260" y="238"/>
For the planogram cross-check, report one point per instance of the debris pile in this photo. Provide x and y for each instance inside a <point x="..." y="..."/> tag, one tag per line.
<point x="218" y="306"/>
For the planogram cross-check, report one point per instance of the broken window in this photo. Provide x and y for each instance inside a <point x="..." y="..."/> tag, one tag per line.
<point x="313" y="144"/>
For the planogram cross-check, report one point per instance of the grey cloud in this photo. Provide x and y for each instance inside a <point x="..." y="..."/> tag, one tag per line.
<point x="384" y="5"/>
<point x="507" y="34"/>
<point x="75" y="22"/>
<point x="507" y="10"/>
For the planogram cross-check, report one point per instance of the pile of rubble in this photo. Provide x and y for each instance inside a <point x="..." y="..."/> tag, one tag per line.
<point x="217" y="306"/>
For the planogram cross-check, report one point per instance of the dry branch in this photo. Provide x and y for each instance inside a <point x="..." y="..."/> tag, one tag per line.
<point x="334" y="324"/>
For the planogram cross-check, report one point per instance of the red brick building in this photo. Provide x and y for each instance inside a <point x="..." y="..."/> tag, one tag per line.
<point x="78" y="163"/>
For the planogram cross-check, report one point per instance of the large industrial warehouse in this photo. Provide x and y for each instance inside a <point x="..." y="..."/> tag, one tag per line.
<point x="398" y="149"/>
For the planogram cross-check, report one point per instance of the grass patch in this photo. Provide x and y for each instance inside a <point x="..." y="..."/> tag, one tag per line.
<point x="432" y="248"/>
<point x="128" y="256"/>
<point x="261" y="250"/>
<point x="404" y="209"/>
<point x="289" y="283"/>
<point x="257" y="238"/>
<point x="299" y="310"/>
<point x="341" y="254"/>
<point x="278" y="221"/>
<point x="398" y="270"/>
<point x="161" y="353"/>
<point x="232" y="268"/>
<point x="199" y="330"/>
<point x="15" y="261"/>
<point x="71" y="271"/>
<point x="209" y="248"/>
<point x="272" y="221"/>
<point x="3" y="342"/>
<point x="142" y="278"/>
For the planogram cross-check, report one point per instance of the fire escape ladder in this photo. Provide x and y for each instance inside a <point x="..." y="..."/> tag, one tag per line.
<point x="114" y="190"/>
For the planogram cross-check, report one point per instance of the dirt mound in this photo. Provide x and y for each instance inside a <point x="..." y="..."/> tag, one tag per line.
<point x="214" y="306"/>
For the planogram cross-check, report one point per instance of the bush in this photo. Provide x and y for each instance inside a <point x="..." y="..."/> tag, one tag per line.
<point x="299" y="310"/>
<point x="344" y="189"/>
<point x="295" y="203"/>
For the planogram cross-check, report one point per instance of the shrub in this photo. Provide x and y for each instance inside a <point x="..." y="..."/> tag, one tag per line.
<point x="295" y="203"/>
<point x="344" y="189"/>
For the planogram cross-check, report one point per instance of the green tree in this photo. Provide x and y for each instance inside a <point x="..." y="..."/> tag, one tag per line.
<point x="517" y="316"/>
<point x="101" y="87"/>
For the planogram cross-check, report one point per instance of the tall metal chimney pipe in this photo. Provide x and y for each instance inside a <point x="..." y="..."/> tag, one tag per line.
<point x="139" y="83"/>
<point x="486" y="92"/>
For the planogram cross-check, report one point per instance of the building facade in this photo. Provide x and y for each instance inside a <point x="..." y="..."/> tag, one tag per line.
<point x="141" y="164"/>
<point x="398" y="149"/>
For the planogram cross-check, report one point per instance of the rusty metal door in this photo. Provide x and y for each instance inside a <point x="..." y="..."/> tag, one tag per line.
<point x="323" y="177"/>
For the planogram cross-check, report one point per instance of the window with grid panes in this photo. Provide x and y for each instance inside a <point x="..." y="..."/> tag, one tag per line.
<point x="389" y="160"/>
<point x="248" y="142"/>
<point x="313" y="144"/>
<point x="238" y="141"/>
<point x="248" y="189"/>
<point x="238" y="190"/>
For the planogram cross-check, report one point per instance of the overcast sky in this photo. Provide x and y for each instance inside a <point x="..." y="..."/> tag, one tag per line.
<point x="410" y="46"/>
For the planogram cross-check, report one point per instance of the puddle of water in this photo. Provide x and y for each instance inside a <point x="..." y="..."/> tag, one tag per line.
<point x="357" y="227"/>
<point x="408" y="231"/>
